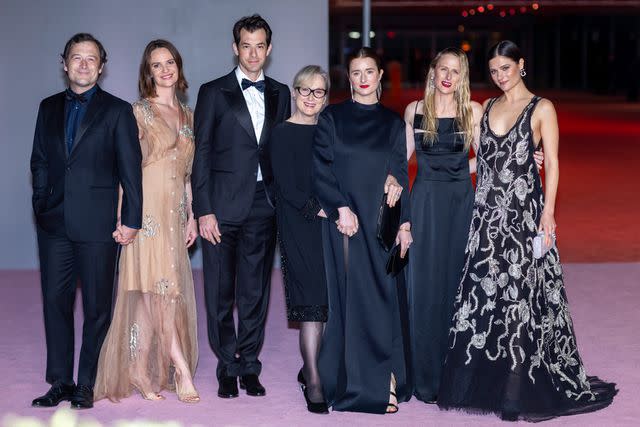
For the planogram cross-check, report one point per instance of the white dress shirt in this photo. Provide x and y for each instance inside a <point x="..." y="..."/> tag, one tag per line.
<point x="255" y="103"/>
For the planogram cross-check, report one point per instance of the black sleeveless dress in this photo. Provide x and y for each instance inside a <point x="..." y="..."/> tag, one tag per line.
<point x="441" y="203"/>
<point x="512" y="349"/>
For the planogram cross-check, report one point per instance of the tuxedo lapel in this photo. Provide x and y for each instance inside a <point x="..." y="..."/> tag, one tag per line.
<point x="58" y="130"/>
<point x="94" y="109"/>
<point x="235" y="98"/>
<point x="270" y="109"/>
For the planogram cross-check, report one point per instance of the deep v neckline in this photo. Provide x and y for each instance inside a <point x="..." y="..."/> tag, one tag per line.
<point x="514" y="124"/>
<point x="175" y="131"/>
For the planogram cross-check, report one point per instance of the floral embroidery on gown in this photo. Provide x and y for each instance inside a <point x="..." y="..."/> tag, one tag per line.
<point x="512" y="348"/>
<point x="155" y="297"/>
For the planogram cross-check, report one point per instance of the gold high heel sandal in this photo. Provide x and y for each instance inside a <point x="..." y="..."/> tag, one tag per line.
<point x="186" y="396"/>
<point x="147" y="395"/>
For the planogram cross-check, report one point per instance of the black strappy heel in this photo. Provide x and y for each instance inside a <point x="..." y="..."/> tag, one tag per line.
<point x="392" y="408"/>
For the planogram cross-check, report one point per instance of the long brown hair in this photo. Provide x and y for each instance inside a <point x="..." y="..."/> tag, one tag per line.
<point x="146" y="86"/>
<point x="462" y="95"/>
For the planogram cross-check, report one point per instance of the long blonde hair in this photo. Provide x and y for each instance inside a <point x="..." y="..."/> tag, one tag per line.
<point x="462" y="95"/>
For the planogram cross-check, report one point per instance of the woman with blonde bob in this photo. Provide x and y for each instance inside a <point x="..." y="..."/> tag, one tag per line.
<point x="440" y="129"/>
<point x="299" y="219"/>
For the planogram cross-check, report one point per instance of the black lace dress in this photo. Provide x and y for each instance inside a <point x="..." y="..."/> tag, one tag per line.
<point x="512" y="348"/>
<point x="299" y="226"/>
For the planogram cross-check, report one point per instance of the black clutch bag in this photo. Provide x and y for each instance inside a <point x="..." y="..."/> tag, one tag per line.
<point x="388" y="223"/>
<point x="395" y="264"/>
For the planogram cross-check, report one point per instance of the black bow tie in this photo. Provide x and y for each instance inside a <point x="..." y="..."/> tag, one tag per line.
<point x="72" y="96"/>
<point x="246" y="84"/>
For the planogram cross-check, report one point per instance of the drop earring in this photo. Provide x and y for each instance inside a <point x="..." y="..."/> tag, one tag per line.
<point x="351" y="89"/>
<point x="431" y="83"/>
<point x="522" y="72"/>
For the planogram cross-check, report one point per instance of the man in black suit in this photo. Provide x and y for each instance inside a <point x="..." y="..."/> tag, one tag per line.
<point x="231" y="196"/>
<point x="85" y="147"/>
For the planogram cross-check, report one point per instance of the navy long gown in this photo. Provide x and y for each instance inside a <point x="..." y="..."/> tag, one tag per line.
<point x="356" y="146"/>
<point x="441" y="205"/>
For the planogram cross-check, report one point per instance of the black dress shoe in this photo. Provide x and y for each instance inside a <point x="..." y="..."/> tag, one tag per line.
<point x="56" y="394"/>
<point x="313" y="407"/>
<point x="227" y="387"/>
<point x="301" y="379"/>
<point x="83" y="397"/>
<point x="252" y="385"/>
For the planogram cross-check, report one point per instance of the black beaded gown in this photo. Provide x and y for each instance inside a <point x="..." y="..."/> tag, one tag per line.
<point x="512" y="348"/>
<point x="299" y="226"/>
<point x="441" y="204"/>
<point x="356" y="146"/>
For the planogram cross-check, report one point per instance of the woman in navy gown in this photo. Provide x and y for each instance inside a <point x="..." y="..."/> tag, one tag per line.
<point x="299" y="225"/>
<point x="440" y="129"/>
<point x="512" y="348"/>
<point x="358" y="144"/>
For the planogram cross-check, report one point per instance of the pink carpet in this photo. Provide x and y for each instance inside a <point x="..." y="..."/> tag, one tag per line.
<point x="603" y="300"/>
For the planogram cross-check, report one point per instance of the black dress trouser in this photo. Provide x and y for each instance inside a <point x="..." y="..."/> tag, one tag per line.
<point x="62" y="263"/>
<point x="239" y="270"/>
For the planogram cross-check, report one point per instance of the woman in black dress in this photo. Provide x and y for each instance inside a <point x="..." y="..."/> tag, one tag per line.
<point x="440" y="129"/>
<point x="299" y="225"/>
<point x="358" y="144"/>
<point x="512" y="348"/>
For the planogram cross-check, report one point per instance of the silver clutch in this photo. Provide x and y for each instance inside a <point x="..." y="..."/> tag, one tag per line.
<point x="539" y="247"/>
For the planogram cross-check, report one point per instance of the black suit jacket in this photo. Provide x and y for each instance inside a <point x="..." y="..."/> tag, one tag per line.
<point x="227" y="153"/>
<point x="76" y="194"/>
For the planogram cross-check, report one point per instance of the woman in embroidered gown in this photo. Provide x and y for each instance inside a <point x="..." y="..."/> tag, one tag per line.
<point x="512" y="349"/>
<point x="357" y="144"/>
<point x="300" y="227"/>
<point x="152" y="345"/>
<point x="441" y="128"/>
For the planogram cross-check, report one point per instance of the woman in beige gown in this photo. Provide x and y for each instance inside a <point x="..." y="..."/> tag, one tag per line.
<point x="152" y="344"/>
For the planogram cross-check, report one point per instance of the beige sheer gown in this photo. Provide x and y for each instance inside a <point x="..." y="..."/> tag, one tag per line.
<point x="155" y="297"/>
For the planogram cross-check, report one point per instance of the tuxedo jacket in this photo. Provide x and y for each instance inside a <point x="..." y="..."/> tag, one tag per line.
<point x="227" y="153"/>
<point x="76" y="194"/>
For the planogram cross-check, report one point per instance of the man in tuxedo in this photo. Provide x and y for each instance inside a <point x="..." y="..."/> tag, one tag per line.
<point x="85" y="147"/>
<point x="231" y="196"/>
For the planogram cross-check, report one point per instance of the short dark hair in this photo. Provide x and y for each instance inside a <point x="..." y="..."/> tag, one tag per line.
<point x="506" y="48"/>
<point x="365" y="52"/>
<point x="146" y="87"/>
<point x="84" y="37"/>
<point x="251" y="23"/>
